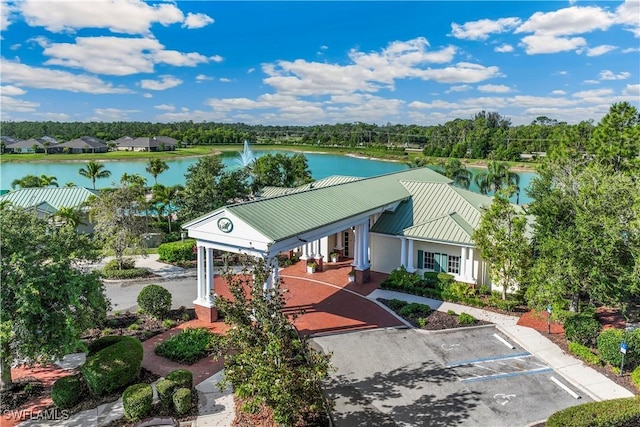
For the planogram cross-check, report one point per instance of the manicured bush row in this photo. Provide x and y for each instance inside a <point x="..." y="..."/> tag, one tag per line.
<point x="177" y="251"/>
<point x="165" y="389"/>
<point x="67" y="391"/>
<point x="396" y="304"/>
<point x="582" y="328"/>
<point x="154" y="300"/>
<point x="125" y="274"/>
<point x="102" y="343"/>
<point x="415" y="310"/>
<point x="182" y="400"/>
<point x="188" y="346"/>
<point x="584" y="353"/>
<point x="609" y="413"/>
<point x="113" y="367"/>
<point x="137" y="400"/>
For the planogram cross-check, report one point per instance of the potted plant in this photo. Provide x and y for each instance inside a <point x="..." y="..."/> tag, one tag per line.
<point x="334" y="257"/>
<point x="311" y="267"/>
<point x="352" y="277"/>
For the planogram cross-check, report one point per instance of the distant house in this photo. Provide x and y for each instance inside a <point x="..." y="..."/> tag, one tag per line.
<point x="84" y="144"/>
<point x="33" y="145"/>
<point x="47" y="201"/>
<point x="153" y="143"/>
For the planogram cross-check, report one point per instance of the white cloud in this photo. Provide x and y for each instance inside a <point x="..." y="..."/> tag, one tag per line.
<point x="627" y="14"/>
<point x="494" y="88"/>
<point x="459" y="88"/>
<point x="119" y="16"/>
<point x="12" y="104"/>
<point x="480" y="30"/>
<point x="197" y="20"/>
<point x="250" y="70"/>
<point x="10" y="90"/>
<point x="119" y="56"/>
<point x="112" y="114"/>
<point x="225" y="80"/>
<point x="558" y="92"/>
<point x="610" y="75"/>
<point x="164" y="107"/>
<point x="631" y="50"/>
<point x="598" y="50"/>
<point x="591" y="82"/>
<point x="563" y="73"/>
<point x="7" y="12"/>
<point x="165" y="82"/>
<point x="216" y="58"/>
<point x="505" y="48"/>
<point x="147" y="95"/>
<point x="203" y="77"/>
<point x="538" y="44"/>
<point x="55" y="117"/>
<point x="45" y="78"/>
<point x="632" y="90"/>
<point x="594" y="95"/>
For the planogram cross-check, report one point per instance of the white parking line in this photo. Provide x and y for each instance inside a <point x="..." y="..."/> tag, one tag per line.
<point x="505" y="342"/>
<point x="565" y="388"/>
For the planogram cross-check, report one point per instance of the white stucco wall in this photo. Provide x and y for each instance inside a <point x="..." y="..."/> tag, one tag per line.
<point x="385" y="253"/>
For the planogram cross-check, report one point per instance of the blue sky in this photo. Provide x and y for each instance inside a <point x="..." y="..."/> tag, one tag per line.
<point x="304" y="63"/>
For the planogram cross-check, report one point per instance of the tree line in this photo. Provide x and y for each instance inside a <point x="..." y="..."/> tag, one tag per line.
<point x="486" y="135"/>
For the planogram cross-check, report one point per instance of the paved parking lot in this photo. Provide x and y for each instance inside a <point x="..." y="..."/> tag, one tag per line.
<point x="466" y="377"/>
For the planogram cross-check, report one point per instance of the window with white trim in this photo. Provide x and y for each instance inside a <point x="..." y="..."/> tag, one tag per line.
<point x="454" y="265"/>
<point x="429" y="260"/>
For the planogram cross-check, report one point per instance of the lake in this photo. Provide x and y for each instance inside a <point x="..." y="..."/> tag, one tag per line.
<point x="321" y="166"/>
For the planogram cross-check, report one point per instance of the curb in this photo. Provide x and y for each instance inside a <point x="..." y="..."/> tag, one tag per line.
<point x="161" y="278"/>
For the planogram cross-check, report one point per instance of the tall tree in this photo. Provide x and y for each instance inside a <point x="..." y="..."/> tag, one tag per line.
<point x="155" y="167"/>
<point x="209" y="186"/>
<point x="46" y="301"/>
<point x="280" y="170"/>
<point x="94" y="170"/>
<point x="616" y="139"/>
<point x="502" y="243"/>
<point x="165" y="199"/>
<point x="33" y="181"/>
<point x="120" y="220"/>
<point x="134" y="179"/>
<point x="67" y="216"/>
<point x="48" y="180"/>
<point x="587" y="234"/>
<point x="455" y="170"/>
<point x="498" y="177"/>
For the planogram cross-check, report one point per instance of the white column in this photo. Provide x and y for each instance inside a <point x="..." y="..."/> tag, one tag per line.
<point x="471" y="274"/>
<point x="356" y="247"/>
<point x="365" y="244"/>
<point x="201" y="274"/>
<point x="324" y="248"/>
<point x="410" y="267"/>
<point x="208" y="283"/>
<point x="305" y="252"/>
<point x="403" y="252"/>
<point x="339" y="240"/>
<point x="463" y="262"/>
<point x="267" y="283"/>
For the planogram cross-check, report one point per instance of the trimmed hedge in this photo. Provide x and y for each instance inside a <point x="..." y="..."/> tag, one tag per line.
<point x="67" y="391"/>
<point x="582" y="328"/>
<point x="584" y="353"/>
<point x="177" y="251"/>
<point x="113" y="367"/>
<point x="137" y="401"/>
<point x="131" y="273"/>
<point x="182" y="377"/>
<point x="102" y="343"/>
<point x="609" y="413"/>
<point x="609" y="347"/>
<point x="188" y="346"/>
<point x="182" y="400"/>
<point x="165" y="389"/>
<point x="154" y="300"/>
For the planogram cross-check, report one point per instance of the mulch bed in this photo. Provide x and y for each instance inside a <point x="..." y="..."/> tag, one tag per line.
<point x="264" y="417"/>
<point x="438" y="320"/>
<point x="23" y="390"/>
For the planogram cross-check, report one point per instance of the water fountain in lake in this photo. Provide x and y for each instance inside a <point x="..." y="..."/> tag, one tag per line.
<point x="246" y="157"/>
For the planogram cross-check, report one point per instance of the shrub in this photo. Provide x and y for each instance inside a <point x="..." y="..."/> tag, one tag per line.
<point x="402" y="278"/>
<point x="177" y="251"/>
<point x="396" y="304"/>
<point x="445" y="279"/>
<point x="125" y="274"/>
<point x="67" y="391"/>
<point x="165" y="389"/>
<point x="414" y="309"/>
<point x="137" y="400"/>
<point x="182" y="400"/>
<point x="584" y="353"/>
<point x="154" y="300"/>
<point x="422" y="322"/>
<point x="113" y="367"/>
<point x="609" y="413"/>
<point x="461" y="290"/>
<point x="582" y="328"/>
<point x="484" y="290"/>
<point x="451" y="312"/>
<point x="168" y="323"/>
<point x="182" y="377"/>
<point x="127" y="264"/>
<point x="102" y="343"/>
<point x="466" y="319"/>
<point x="188" y="346"/>
<point x="635" y="377"/>
<point x="609" y="345"/>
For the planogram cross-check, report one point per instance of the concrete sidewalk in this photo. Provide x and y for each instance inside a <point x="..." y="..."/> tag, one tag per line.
<point x="587" y="379"/>
<point x="162" y="270"/>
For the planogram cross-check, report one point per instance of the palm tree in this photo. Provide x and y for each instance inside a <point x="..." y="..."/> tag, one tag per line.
<point x="155" y="167"/>
<point x="28" y="181"/>
<point x="498" y="177"/>
<point x="47" y="181"/>
<point x="133" y="180"/>
<point x="93" y="171"/>
<point x="164" y="198"/>
<point x="455" y="170"/>
<point x="66" y="216"/>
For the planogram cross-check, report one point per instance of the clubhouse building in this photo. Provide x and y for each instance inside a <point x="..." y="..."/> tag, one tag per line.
<point x="414" y="218"/>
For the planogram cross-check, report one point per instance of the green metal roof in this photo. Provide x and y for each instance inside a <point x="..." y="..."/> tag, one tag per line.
<point x="57" y="198"/>
<point x="436" y="211"/>
<point x="289" y="215"/>
<point x="267" y="192"/>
